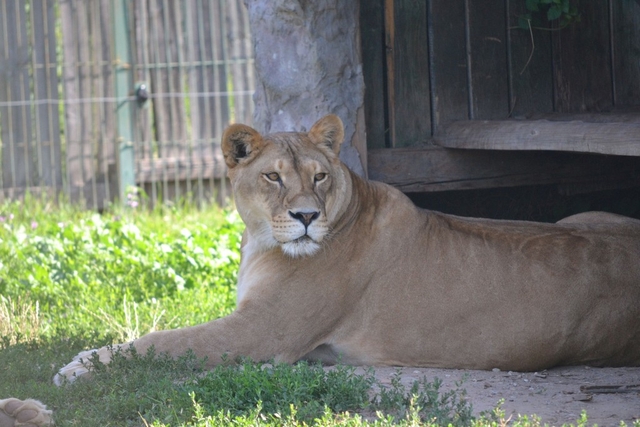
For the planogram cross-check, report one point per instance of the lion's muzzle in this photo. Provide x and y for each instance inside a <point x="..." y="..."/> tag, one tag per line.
<point x="306" y="218"/>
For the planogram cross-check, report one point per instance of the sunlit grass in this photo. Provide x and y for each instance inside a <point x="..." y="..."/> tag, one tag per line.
<point x="19" y="319"/>
<point x="124" y="272"/>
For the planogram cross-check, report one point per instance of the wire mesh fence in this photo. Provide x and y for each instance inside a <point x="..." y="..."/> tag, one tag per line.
<point x="189" y="68"/>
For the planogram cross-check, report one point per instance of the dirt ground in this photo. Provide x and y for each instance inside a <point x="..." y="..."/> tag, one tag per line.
<point x="554" y="395"/>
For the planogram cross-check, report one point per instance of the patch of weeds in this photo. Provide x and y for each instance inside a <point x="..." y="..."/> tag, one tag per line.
<point x="280" y="387"/>
<point x="259" y="418"/>
<point x="426" y="400"/>
<point x="131" y="390"/>
<point x="495" y="415"/>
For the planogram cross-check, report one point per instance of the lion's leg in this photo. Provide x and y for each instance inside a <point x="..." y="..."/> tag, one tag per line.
<point x="81" y="364"/>
<point x="254" y="333"/>
<point x="27" y="413"/>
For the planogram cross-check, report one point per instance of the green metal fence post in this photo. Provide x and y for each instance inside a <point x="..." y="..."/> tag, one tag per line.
<point x="123" y="89"/>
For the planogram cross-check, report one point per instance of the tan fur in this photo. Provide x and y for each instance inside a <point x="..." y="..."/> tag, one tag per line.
<point x="378" y="281"/>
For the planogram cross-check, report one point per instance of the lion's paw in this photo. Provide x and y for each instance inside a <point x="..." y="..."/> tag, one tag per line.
<point x="25" y="413"/>
<point x="81" y="365"/>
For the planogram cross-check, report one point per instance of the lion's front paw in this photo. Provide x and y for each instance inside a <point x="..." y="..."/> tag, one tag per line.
<point x="26" y="413"/>
<point x="81" y="364"/>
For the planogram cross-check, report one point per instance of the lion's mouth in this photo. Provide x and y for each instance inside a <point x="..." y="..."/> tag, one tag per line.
<point x="305" y="238"/>
<point x="302" y="239"/>
<point x="302" y="246"/>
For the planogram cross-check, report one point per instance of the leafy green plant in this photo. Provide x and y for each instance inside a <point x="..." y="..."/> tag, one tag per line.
<point x="426" y="400"/>
<point x="125" y="273"/>
<point x="278" y="388"/>
<point x="541" y="13"/>
<point x="133" y="387"/>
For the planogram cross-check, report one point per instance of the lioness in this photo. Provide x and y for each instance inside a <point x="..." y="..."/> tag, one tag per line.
<point x="338" y="268"/>
<point x="335" y="267"/>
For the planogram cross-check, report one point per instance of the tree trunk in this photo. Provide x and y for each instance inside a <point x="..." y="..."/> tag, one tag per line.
<point x="308" y="64"/>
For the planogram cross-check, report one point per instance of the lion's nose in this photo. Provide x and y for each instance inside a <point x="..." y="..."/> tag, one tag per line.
<point x="306" y="218"/>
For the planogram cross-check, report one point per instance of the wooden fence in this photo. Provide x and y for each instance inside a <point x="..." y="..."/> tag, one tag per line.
<point x="460" y="97"/>
<point x="59" y="98"/>
<point x="441" y="61"/>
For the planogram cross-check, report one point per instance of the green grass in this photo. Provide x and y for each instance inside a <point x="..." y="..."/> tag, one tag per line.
<point x="123" y="273"/>
<point x="72" y="279"/>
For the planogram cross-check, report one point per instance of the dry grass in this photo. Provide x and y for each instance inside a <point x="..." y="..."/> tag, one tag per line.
<point x="19" y="319"/>
<point x="127" y="325"/>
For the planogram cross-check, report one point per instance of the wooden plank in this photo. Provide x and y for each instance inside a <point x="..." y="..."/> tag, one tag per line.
<point x="449" y="72"/>
<point x="46" y="88"/>
<point x="531" y="73"/>
<point x="618" y="116"/>
<point x="373" y="58"/>
<point x="390" y="43"/>
<point x="412" y="104"/>
<point x="581" y="61"/>
<point x="19" y="193"/>
<point x="168" y="107"/>
<point x="440" y="169"/>
<point x="87" y="80"/>
<point x="103" y="82"/>
<point x="626" y="51"/>
<point x="76" y="86"/>
<point x="76" y="195"/>
<point x="489" y="77"/>
<point x="621" y="139"/>
<point x="207" y="48"/>
<point x="16" y="124"/>
<point x="215" y="51"/>
<point x="193" y="27"/>
<point x="240" y="49"/>
<point x="144" y="146"/>
<point x="174" y="23"/>
<point x="178" y="190"/>
<point x="181" y="168"/>
<point x="209" y="115"/>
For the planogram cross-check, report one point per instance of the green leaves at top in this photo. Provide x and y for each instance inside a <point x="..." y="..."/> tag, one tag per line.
<point x="549" y="14"/>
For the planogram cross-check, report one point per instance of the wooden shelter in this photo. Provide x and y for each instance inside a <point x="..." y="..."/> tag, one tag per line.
<point x="459" y="97"/>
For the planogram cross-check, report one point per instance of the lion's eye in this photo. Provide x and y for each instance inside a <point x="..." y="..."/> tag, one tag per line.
<point x="272" y="176"/>
<point x="320" y="177"/>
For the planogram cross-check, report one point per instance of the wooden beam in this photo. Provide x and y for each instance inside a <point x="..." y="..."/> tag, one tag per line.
<point x="390" y="42"/>
<point x="621" y="139"/>
<point x="172" y="169"/>
<point x="439" y="169"/>
<point x="91" y="196"/>
<point x="373" y="52"/>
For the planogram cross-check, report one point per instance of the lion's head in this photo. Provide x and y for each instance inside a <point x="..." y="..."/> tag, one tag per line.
<point x="290" y="188"/>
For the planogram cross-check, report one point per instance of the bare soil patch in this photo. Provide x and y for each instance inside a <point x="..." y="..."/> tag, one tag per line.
<point x="557" y="396"/>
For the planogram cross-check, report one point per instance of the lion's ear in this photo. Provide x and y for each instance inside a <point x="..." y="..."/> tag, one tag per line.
<point x="238" y="143"/>
<point x="328" y="131"/>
